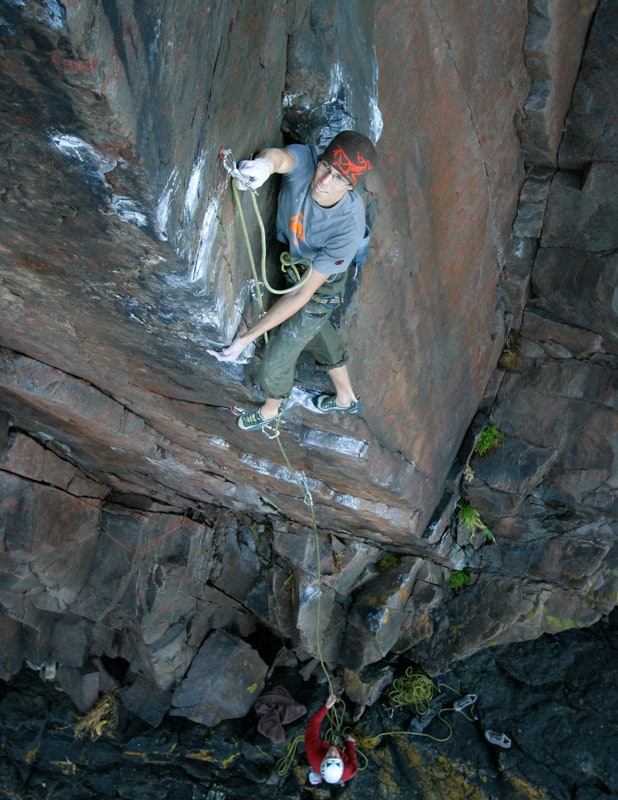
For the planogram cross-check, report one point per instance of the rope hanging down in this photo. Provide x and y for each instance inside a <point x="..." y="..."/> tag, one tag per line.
<point x="287" y="263"/>
<point x="414" y="688"/>
<point x="301" y="480"/>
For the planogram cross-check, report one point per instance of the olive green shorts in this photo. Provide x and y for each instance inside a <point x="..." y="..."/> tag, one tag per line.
<point x="309" y="329"/>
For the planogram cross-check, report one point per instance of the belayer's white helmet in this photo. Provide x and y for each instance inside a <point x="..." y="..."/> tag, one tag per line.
<point x="331" y="769"/>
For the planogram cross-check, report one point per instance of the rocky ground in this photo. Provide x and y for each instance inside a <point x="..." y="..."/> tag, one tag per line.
<point x="554" y="698"/>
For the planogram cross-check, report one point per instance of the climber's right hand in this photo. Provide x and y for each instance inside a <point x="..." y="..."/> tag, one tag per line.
<point x="254" y="173"/>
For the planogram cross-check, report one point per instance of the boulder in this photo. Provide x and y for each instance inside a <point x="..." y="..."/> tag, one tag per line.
<point x="301" y="550"/>
<point x="146" y="700"/>
<point x="53" y="535"/>
<point x="568" y="407"/>
<point x="582" y="210"/>
<point x="546" y="329"/>
<point x="37" y="630"/>
<point x="70" y="641"/>
<point x="555" y="39"/>
<point x="377" y="614"/>
<point x="578" y="287"/>
<point x="12" y="653"/>
<point x="81" y="685"/>
<point x="234" y="564"/>
<point x="26" y="457"/>
<point x="592" y="122"/>
<point x="504" y="479"/>
<point x="319" y="619"/>
<point x="366" y="686"/>
<point x="166" y="656"/>
<point x="224" y="680"/>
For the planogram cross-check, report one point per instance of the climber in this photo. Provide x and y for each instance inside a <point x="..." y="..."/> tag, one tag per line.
<point x="327" y="761"/>
<point x="320" y="218"/>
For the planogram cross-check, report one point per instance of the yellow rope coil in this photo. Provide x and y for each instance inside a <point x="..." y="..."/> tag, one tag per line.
<point x="413" y="689"/>
<point x="282" y="767"/>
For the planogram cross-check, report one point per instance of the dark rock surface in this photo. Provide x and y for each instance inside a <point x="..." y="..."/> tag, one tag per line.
<point x="147" y="544"/>
<point x="553" y="698"/>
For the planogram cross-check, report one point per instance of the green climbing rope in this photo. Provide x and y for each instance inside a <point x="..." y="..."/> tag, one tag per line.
<point x="413" y="689"/>
<point x="283" y="766"/>
<point x="308" y="500"/>
<point x="286" y="260"/>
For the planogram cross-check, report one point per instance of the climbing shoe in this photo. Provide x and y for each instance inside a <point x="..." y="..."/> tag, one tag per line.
<point x="328" y="402"/>
<point x="314" y="778"/>
<point x="499" y="739"/>
<point x="464" y="702"/>
<point x="254" y="421"/>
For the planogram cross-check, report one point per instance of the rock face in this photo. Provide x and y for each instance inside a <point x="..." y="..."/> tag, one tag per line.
<point x="148" y="543"/>
<point x="561" y="725"/>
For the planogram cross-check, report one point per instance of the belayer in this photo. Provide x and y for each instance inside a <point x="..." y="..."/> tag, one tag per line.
<point x="322" y="219"/>
<point x="327" y="762"/>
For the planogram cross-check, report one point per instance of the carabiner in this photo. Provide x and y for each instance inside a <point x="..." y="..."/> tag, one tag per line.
<point x="229" y="165"/>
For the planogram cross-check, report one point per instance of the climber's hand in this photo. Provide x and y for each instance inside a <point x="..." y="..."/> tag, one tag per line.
<point x="254" y="173"/>
<point x="332" y="699"/>
<point x="233" y="351"/>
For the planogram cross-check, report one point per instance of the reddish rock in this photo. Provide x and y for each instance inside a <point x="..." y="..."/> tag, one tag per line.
<point x="29" y="459"/>
<point x="555" y="38"/>
<point x="128" y="496"/>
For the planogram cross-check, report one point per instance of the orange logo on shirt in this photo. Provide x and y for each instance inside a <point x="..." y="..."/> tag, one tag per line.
<point x="296" y="228"/>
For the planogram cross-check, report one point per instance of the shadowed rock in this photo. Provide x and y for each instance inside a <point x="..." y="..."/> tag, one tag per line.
<point x="223" y="682"/>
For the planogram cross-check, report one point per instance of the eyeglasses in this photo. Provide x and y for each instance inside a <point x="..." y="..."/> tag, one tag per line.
<point x="338" y="180"/>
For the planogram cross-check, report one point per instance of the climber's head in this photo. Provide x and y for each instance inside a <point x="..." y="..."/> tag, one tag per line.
<point x="331" y="768"/>
<point x="351" y="154"/>
<point x="346" y="158"/>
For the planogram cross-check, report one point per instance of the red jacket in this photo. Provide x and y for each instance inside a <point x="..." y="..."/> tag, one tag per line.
<point x="316" y="748"/>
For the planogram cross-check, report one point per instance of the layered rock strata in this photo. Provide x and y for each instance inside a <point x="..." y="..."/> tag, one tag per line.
<point x="146" y="537"/>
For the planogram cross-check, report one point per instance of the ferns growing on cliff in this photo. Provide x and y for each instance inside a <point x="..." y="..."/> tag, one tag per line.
<point x="470" y="519"/>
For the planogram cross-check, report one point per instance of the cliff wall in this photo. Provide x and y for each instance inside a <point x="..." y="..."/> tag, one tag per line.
<point x="139" y="525"/>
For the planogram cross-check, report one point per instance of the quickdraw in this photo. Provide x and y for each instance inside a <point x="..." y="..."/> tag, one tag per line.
<point x="229" y="165"/>
<point x="270" y="431"/>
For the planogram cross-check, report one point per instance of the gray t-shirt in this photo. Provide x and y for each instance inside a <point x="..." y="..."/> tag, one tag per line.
<point x="330" y="237"/>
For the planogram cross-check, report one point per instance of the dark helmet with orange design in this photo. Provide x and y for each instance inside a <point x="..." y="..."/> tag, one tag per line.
<point x="351" y="154"/>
